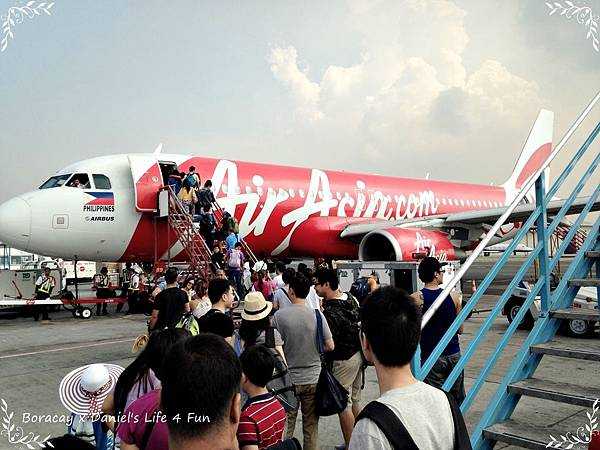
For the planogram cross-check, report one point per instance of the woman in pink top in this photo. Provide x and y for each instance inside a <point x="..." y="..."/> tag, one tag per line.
<point x="143" y="374"/>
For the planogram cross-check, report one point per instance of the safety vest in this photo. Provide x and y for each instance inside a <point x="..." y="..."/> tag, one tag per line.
<point x="47" y="285"/>
<point x="134" y="283"/>
<point x="103" y="281"/>
<point x="126" y="275"/>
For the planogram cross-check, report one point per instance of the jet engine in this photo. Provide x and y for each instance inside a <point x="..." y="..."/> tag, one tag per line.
<point x="406" y="244"/>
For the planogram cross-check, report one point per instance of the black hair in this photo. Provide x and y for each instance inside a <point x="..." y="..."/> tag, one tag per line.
<point x="391" y="322"/>
<point x="201" y="377"/>
<point x="69" y="442"/>
<point x="171" y="275"/>
<point x="192" y="169"/>
<point x="287" y="275"/>
<point x="151" y="357"/>
<point x="207" y="184"/>
<point x="251" y="329"/>
<point x="301" y="285"/>
<point x="302" y="267"/>
<point x="257" y="364"/>
<point x="216" y="288"/>
<point x="427" y="269"/>
<point x="238" y="243"/>
<point x="328" y="276"/>
<point x="104" y="270"/>
<point x="279" y="266"/>
<point x="206" y="208"/>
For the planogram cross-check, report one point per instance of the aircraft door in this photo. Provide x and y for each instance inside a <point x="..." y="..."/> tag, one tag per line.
<point x="147" y="181"/>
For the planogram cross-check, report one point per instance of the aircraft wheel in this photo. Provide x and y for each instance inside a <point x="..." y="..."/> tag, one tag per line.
<point x="86" y="313"/>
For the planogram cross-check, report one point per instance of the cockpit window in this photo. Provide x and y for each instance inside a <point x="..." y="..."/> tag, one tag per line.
<point x="56" y="181"/>
<point x="101" y="181"/>
<point x="80" y="181"/>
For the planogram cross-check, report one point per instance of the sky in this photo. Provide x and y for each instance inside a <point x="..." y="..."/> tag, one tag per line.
<point x="402" y="87"/>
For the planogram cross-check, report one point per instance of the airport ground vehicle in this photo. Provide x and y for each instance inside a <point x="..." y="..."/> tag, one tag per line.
<point x="586" y="299"/>
<point x="85" y="269"/>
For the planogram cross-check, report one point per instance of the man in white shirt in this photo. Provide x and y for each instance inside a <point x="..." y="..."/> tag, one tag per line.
<point x="278" y="278"/>
<point x="426" y="417"/>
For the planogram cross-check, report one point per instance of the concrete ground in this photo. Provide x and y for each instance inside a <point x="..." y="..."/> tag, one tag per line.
<point x="34" y="357"/>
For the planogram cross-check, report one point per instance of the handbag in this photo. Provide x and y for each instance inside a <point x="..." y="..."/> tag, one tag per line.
<point x="330" y="397"/>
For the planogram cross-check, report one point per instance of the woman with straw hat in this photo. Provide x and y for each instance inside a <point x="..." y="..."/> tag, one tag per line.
<point x="256" y="321"/>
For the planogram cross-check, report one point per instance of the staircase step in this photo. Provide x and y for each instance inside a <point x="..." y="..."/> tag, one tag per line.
<point x="516" y="433"/>
<point x="592" y="254"/>
<point x="587" y="351"/>
<point x="585" y="282"/>
<point x="558" y="392"/>
<point x="576" y="313"/>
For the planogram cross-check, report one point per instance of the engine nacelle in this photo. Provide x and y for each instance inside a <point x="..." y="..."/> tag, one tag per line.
<point x="406" y="244"/>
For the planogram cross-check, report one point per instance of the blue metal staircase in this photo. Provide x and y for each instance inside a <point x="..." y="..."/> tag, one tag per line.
<point x="496" y="423"/>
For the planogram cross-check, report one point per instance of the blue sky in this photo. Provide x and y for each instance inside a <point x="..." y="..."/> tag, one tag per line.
<point x="395" y="87"/>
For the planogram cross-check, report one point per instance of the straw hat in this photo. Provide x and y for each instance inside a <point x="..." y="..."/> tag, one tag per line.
<point x="83" y="390"/>
<point x="255" y="306"/>
<point x="139" y="343"/>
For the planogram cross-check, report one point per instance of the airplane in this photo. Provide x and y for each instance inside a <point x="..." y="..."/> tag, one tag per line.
<point x="104" y="209"/>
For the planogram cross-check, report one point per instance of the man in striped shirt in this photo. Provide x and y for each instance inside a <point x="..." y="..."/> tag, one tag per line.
<point x="262" y="422"/>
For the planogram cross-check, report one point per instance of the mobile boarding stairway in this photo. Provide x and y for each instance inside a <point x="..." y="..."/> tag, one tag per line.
<point x="187" y="233"/>
<point x="498" y="422"/>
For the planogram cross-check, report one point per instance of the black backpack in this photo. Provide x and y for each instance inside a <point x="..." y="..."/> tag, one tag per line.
<point x="344" y="324"/>
<point x="205" y="197"/>
<point x="360" y="289"/>
<point x="207" y="224"/>
<point x="281" y="385"/>
<point x="397" y="434"/>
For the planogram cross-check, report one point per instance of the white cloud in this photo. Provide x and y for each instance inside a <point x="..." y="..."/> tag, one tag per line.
<point x="409" y="92"/>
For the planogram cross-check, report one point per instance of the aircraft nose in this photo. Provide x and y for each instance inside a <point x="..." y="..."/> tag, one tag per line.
<point x="15" y="223"/>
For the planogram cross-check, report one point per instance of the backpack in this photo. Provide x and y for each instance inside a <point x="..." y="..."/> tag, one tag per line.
<point x="281" y="385"/>
<point x="397" y="434"/>
<point x="344" y="323"/>
<point x="206" y="223"/>
<point x="191" y="179"/>
<point x="232" y="224"/>
<point x="205" y="197"/>
<point x="360" y="289"/>
<point x="188" y="322"/>
<point x="234" y="259"/>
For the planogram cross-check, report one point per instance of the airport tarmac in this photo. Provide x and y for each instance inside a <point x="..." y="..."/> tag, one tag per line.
<point x="34" y="357"/>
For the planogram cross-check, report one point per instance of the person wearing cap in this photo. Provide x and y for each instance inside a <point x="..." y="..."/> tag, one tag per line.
<point x="256" y="324"/>
<point x="43" y="288"/>
<point x="431" y="273"/>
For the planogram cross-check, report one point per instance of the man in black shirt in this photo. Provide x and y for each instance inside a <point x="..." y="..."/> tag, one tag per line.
<point x="170" y="304"/>
<point x="221" y="295"/>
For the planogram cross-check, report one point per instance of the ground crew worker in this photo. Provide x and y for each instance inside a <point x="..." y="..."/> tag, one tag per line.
<point x="43" y="287"/>
<point x="133" y="294"/>
<point x="126" y="277"/>
<point x="103" y="290"/>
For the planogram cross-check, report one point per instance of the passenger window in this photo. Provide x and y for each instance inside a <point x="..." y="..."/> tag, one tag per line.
<point x="80" y="181"/>
<point x="56" y="181"/>
<point x="101" y="181"/>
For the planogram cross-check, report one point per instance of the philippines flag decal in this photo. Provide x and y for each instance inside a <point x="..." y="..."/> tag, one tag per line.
<point x="101" y="198"/>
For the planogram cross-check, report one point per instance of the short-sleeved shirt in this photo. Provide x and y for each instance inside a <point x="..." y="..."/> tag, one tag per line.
<point x="423" y="410"/>
<point x="281" y="298"/>
<point x="217" y="322"/>
<point x="297" y="325"/>
<point x="204" y="306"/>
<point x="262" y="422"/>
<point x="312" y="299"/>
<point x="139" y="416"/>
<point x="170" y="304"/>
<point x="146" y="384"/>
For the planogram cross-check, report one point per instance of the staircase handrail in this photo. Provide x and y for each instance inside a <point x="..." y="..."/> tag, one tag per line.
<point x="247" y="250"/>
<point x="502" y="219"/>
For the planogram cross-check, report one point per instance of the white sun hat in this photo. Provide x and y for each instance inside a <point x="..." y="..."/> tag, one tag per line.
<point x="83" y="390"/>
<point x="255" y="306"/>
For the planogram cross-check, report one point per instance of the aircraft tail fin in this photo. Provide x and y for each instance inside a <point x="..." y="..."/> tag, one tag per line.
<point x="536" y="150"/>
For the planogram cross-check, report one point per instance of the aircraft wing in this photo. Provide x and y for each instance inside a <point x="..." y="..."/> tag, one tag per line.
<point x="487" y="216"/>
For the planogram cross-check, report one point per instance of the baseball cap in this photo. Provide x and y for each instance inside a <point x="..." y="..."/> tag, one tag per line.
<point x="428" y="267"/>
